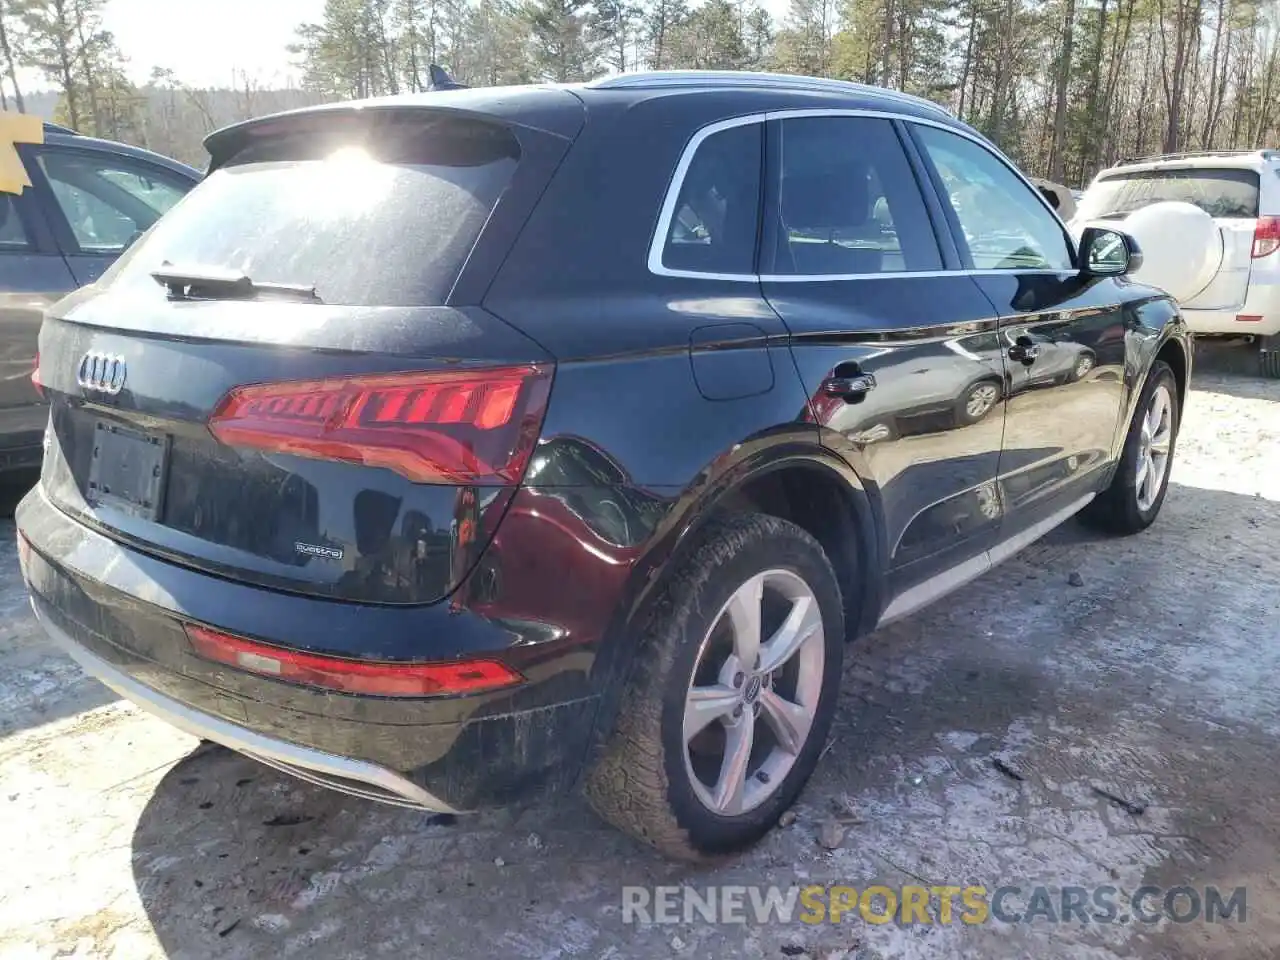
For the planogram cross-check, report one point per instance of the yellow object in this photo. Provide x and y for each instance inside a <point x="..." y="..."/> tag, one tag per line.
<point x="16" y="128"/>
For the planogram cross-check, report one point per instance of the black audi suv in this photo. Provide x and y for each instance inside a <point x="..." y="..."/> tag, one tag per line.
<point x="460" y="448"/>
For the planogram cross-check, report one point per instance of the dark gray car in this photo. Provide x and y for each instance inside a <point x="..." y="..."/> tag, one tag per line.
<point x="89" y="200"/>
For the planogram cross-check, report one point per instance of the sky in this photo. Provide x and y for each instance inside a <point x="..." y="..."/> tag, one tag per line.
<point x="204" y="41"/>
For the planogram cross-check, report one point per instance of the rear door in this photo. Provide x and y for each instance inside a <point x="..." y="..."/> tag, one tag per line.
<point x="898" y="350"/>
<point x="100" y="202"/>
<point x="1062" y="336"/>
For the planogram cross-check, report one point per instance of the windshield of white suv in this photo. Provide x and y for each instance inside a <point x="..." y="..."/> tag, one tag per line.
<point x="1224" y="192"/>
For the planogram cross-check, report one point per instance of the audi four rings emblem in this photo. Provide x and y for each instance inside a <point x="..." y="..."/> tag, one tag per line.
<point x="102" y="372"/>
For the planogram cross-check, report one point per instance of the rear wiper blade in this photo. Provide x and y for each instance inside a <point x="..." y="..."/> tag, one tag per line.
<point x="216" y="283"/>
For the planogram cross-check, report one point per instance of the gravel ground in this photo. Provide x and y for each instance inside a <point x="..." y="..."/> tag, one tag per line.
<point x="1145" y="667"/>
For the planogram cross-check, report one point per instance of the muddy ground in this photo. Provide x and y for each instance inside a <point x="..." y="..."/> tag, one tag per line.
<point x="1148" y="667"/>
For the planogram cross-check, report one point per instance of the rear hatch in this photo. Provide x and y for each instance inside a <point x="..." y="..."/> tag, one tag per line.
<point x="1228" y="194"/>
<point x="275" y="384"/>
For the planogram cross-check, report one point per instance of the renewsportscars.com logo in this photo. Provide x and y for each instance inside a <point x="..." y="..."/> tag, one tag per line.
<point x="910" y="904"/>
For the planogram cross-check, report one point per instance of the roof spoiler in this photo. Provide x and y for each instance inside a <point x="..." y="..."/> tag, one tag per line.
<point x="439" y="79"/>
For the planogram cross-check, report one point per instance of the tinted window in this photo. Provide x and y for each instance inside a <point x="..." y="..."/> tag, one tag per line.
<point x="13" y="235"/>
<point x="1219" y="193"/>
<point x="716" y="217"/>
<point x="1004" y="221"/>
<point x="848" y="201"/>
<point x="367" y="222"/>
<point x="109" y="201"/>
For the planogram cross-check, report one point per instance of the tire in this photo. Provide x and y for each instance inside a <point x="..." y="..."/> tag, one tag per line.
<point x="1269" y="363"/>
<point x="1082" y="368"/>
<point x="645" y="781"/>
<point x="977" y="401"/>
<point x="1121" y="508"/>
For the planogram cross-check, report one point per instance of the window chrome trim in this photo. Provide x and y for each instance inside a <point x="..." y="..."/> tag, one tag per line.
<point x="658" y="244"/>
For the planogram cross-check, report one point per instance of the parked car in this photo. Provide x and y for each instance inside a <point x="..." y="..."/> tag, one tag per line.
<point x="462" y="447"/>
<point x="1236" y="265"/>
<point x="88" y="200"/>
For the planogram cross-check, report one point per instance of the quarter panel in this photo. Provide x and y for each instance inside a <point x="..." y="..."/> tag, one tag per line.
<point x="649" y="421"/>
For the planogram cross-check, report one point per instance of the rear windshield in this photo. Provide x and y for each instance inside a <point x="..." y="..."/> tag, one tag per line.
<point x="1219" y="193"/>
<point x="369" y="217"/>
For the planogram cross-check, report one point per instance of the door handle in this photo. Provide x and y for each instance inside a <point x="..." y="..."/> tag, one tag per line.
<point x="1024" y="351"/>
<point x="853" y="389"/>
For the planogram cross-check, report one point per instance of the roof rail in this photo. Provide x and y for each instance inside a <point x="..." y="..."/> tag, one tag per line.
<point x="50" y="127"/>
<point x="745" y="78"/>
<point x="1191" y="154"/>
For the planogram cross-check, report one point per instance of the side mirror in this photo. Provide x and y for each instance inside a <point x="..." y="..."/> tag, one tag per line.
<point x="1108" y="253"/>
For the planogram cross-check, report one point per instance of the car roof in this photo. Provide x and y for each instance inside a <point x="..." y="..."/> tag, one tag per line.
<point x="559" y="108"/>
<point x="1202" y="160"/>
<point x="56" y="135"/>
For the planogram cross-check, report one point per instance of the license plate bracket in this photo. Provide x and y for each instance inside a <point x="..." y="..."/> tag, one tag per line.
<point x="128" y="469"/>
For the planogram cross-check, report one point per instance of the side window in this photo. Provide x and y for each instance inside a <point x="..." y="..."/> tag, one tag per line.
<point x="1004" y="222"/>
<point x="109" y="201"/>
<point x="848" y="201"/>
<point x="716" y="217"/>
<point x="13" y="234"/>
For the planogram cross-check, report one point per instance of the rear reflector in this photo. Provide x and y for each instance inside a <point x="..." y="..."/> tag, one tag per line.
<point x="1248" y="318"/>
<point x="455" y="426"/>
<point x="351" y="676"/>
<point x="1266" y="237"/>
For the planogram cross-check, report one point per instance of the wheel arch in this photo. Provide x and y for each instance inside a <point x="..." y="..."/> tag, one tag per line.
<point x="795" y="479"/>
<point x="1175" y="353"/>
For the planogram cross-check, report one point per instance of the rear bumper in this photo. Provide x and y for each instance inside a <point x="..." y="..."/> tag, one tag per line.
<point x="119" y="613"/>
<point x="343" y="773"/>
<point x="1263" y="302"/>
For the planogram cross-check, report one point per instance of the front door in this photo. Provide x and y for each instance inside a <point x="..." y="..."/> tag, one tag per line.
<point x="1062" y="335"/>
<point x="898" y="349"/>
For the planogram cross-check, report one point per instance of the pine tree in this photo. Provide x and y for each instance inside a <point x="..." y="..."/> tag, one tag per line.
<point x="52" y="47"/>
<point x="710" y="38"/>
<point x="663" y="20"/>
<point x="614" y="26"/>
<point x="563" y="49"/>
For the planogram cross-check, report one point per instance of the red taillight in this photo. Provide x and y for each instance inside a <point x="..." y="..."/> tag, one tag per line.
<point x="1266" y="237"/>
<point x="457" y="426"/>
<point x="35" y="375"/>
<point x="351" y="676"/>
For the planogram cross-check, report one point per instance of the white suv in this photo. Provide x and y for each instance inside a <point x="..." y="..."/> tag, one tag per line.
<point x="1240" y="190"/>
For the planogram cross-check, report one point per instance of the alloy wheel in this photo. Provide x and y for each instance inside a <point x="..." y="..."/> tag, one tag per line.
<point x="1153" y="448"/>
<point x="981" y="399"/>
<point x="754" y="693"/>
